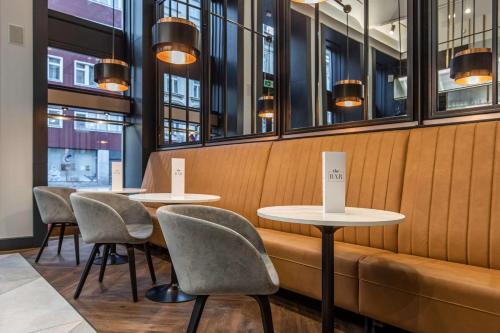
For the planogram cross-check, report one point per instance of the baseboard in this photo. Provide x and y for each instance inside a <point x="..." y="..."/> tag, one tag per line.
<point x="17" y="243"/>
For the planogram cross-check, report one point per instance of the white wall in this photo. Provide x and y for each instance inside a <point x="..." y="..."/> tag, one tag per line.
<point x="16" y="121"/>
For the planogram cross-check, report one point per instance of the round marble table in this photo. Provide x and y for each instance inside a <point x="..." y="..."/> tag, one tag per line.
<point x="328" y="223"/>
<point x="114" y="258"/>
<point x="171" y="293"/>
<point x="115" y="191"/>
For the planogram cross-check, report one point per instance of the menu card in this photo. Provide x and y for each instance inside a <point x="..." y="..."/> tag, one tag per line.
<point x="334" y="182"/>
<point x="116" y="176"/>
<point x="178" y="173"/>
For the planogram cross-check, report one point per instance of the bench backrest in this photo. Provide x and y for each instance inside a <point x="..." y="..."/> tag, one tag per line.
<point x="451" y="194"/>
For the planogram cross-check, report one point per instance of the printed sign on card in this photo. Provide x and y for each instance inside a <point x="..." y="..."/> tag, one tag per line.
<point x="116" y="176"/>
<point x="334" y="182"/>
<point x="178" y="174"/>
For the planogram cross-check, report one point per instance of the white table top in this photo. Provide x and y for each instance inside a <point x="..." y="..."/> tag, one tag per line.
<point x="353" y="217"/>
<point x="168" y="198"/>
<point x="115" y="191"/>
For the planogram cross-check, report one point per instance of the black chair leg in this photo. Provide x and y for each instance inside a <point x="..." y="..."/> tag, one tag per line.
<point x="265" y="311"/>
<point x="104" y="262"/>
<point x="86" y="271"/>
<point x="147" y="251"/>
<point x="131" y="265"/>
<point x="76" y="237"/>
<point x="199" y="305"/>
<point x="369" y="327"/>
<point x="61" y="237"/>
<point x="45" y="242"/>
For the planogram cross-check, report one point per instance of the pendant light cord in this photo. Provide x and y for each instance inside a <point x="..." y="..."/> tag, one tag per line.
<point x="400" y="40"/>
<point x="113" y="40"/>
<point x="347" y="44"/>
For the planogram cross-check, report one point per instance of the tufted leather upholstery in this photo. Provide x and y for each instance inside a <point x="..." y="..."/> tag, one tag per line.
<point x="442" y="261"/>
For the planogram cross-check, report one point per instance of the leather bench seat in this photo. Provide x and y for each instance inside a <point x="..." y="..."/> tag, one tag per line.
<point x="297" y="258"/>
<point x="447" y="296"/>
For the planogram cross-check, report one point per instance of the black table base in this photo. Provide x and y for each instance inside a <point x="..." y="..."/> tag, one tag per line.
<point x="113" y="258"/>
<point x="169" y="293"/>
<point x="327" y="265"/>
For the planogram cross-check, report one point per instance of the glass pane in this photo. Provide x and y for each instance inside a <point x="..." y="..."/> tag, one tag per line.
<point x="243" y="68"/>
<point x="462" y="25"/>
<point x="100" y="11"/>
<point x="80" y="152"/>
<point x="388" y="58"/>
<point x="188" y="10"/>
<point x="72" y="70"/>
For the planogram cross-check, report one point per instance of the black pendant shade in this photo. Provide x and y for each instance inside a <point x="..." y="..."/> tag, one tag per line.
<point x="112" y="75"/>
<point x="176" y="41"/>
<point x="472" y="66"/>
<point x="348" y="93"/>
<point x="265" y="107"/>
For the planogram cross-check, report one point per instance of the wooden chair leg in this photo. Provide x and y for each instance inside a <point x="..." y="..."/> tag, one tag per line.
<point x="199" y="305"/>
<point x="265" y="311"/>
<point x="76" y="238"/>
<point x="131" y="264"/>
<point x="61" y="238"/>
<point x="86" y="271"/>
<point x="45" y="241"/>
<point x="147" y="251"/>
<point x="104" y="262"/>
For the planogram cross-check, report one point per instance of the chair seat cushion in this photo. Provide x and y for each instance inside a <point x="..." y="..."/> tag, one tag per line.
<point x="297" y="259"/>
<point x="411" y="292"/>
<point x="140" y="232"/>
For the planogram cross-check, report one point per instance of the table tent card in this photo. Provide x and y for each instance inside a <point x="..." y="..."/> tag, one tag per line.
<point x="116" y="176"/>
<point x="334" y="182"/>
<point x="178" y="173"/>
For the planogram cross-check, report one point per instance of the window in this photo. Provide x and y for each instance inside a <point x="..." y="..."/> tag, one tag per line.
<point x="54" y="122"/>
<point x="84" y="74"/>
<point x="187" y="9"/>
<point x="55" y="68"/>
<point x="329" y="69"/>
<point x="99" y="11"/>
<point x="109" y="3"/>
<point x="242" y="74"/>
<point x="103" y="126"/>
<point x="80" y="155"/>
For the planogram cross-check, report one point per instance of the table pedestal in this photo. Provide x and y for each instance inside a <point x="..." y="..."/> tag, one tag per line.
<point x="113" y="258"/>
<point x="327" y="283"/>
<point x="169" y="293"/>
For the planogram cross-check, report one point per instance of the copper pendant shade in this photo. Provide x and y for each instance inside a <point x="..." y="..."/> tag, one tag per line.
<point x="265" y="107"/>
<point x="112" y="75"/>
<point x="348" y="93"/>
<point x="472" y="66"/>
<point x="176" y="41"/>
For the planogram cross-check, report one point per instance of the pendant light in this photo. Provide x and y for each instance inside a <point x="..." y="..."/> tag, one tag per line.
<point x="265" y="104"/>
<point x="112" y="74"/>
<point x="348" y="93"/>
<point x="474" y="65"/>
<point x="176" y="40"/>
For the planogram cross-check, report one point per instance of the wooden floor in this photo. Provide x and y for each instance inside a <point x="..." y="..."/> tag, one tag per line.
<point x="109" y="307"/>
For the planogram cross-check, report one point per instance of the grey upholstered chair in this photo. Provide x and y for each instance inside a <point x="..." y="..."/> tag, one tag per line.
<point x="109" y="219"/>
<point x="55" y="209"/>
<point x="216" y="251"/>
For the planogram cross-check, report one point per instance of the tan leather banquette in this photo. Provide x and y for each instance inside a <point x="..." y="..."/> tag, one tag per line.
<point x="439" y="271"/>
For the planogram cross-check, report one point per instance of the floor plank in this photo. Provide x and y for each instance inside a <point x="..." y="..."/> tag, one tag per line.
<point x="109" y="307"/>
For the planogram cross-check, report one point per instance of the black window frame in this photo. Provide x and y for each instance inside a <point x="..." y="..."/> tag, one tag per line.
<point x="430" y="40"/>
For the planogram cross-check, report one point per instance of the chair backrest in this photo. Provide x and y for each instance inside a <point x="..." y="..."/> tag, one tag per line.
<point x="210" y="258"/>
<point x="54" y="204"/>
<point x="375" y="170"/>
<point x="451" y="195"/>
<point x="97" y="220"/>
<point x="234" y="172"/>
